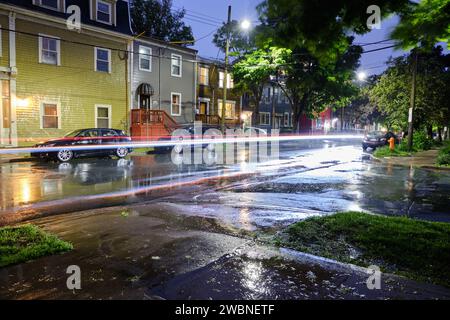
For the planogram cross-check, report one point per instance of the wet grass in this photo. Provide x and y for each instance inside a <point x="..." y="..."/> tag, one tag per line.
<point x="386" y="152"/>
<point x="28" y="242"/>
<point x="416" y="249"/>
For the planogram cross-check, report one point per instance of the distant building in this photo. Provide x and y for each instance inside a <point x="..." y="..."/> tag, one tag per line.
<point x="211" y="79"/>
<point x="54" y="80"/>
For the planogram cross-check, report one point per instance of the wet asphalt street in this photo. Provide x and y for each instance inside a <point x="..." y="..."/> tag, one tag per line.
<point x="188" y="232"/>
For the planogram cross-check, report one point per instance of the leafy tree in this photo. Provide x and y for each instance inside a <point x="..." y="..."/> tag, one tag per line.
<point x="392" y="92"/>
<point x="426" y="22"/>
<point x="157" y="20"/>
<point x="320" y="26"/>
<point x="241" y="41"/>
<point x="311" y="86"/>
<point x="253" y="70"/>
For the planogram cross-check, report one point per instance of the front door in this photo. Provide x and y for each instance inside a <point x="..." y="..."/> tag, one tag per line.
<point x="203" y="108"/>
<point x="5" y="113"/>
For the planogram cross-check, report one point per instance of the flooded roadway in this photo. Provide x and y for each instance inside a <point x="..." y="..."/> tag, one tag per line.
<point x="310" y="178"/>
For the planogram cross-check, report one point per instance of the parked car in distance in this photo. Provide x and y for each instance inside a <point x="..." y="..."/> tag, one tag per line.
<point x="254" y="130"/>
<point x="376" y="139"/>
<point x="89" y="138"/>
<point x="190" y="129"/>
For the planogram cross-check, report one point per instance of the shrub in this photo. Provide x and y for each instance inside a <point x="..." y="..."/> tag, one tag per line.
<point x="421" y="141"/>
<point x="443" y="158"/>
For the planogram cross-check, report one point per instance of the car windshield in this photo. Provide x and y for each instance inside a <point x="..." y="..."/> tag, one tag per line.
<point x="375" y="134"/>
<point x="73" y="134"/>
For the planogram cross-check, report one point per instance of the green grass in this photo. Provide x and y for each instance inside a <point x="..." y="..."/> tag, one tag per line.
<point x="386" y="152"/>
<point x="28" y="242"/>
<point x="417" y="249"/>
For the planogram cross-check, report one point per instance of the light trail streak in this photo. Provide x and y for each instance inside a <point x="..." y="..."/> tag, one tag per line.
<point x="173" y="143"/>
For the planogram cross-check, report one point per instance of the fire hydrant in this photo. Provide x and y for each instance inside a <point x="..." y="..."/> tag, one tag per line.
<point x="392" y="143"/>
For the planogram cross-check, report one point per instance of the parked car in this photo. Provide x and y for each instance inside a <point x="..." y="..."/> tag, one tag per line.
<point x="255" y="130"/>
<point x="89" y="138"/>
<point x="376" y="139"/>
<point x="190" y="129"/>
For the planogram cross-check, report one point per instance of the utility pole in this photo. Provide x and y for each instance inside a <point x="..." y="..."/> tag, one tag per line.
<point x="412" y="101"/>
<point x="225" y="77"/>
<point x="274" y="100"/>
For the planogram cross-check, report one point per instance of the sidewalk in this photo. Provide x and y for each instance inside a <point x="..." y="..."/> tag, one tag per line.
<point x="422" y="159"/>
<point x="8" y="158"/>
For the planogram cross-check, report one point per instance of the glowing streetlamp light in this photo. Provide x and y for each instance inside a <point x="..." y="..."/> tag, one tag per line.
<point x="362" y="76"/>
<point x="246" y="24"/>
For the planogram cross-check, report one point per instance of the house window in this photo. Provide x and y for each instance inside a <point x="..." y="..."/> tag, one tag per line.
<point x="286" y="119"/>
<point x="103" y="116"/>
<point x="229" y="109"/>
<point x="49" y="4"/>
<point x="176" y="65"/>
<point x="104" y="10"/>
<point x="50" y="116"/>
<point x="175" y="104"/>
<point x="230" y="81"/>
<point x="204" y="76"/>
<point x="102" y="60"/>
<point x="6" y="104"/>
<point x="291" y="123"/>
<point x="264" y="118"/>
<point x="49" y="50"/>
<point x="145" y="58"/>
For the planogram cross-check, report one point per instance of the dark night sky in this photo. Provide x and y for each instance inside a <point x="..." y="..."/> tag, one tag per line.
<point x="205" y="16"/>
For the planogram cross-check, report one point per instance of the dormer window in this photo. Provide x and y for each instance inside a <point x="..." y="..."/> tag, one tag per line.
<point x="104" y="12"/>
<point x="56" y="5"/>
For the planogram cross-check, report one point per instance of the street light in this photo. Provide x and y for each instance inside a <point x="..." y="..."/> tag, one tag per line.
<point x="246" y="24"/>
<point x="362" y="76"/>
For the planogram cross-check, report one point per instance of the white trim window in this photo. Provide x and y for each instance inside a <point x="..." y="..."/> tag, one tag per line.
<point x="230" y="109"/>
<point x="145" y="58"/>
<point x="103" y="12"/>
<point x="203" y="76"/>
<point x="230" y="81"/>
<point x="103" y="116"/>
<point x="49" y="4"/>
<point x="177" y="65"/>
<point x="286" y="119"/>
<point x="175" y="104"/>
<point x="1" y="41"/>
<point x="264" y="118"/>
<point x="49" y="50"/>
<point x="102" y="60"/>
<point x="50" y="115"/>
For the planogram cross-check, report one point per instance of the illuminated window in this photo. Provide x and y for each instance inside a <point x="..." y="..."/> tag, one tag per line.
<point x="230" y="110"/>
<point x="103" y="116"/>
<point x="50" y="116"/>
<point x="264" y="118"/>
<point x="175" y="104"/>
<point x="204" y="76"/>
<point x="6" y="104"/>
<point x="230" y="81"/>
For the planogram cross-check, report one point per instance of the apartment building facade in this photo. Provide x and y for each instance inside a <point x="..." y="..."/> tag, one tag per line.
<point x="55" y="79"/>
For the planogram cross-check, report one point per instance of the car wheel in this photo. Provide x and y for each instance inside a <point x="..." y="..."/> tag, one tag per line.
<point x="64" y="155"/>
<point x="178" y="148"/>
<point x="122" y="152"/>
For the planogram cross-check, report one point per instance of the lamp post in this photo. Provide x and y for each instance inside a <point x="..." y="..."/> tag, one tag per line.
<point x="245" y="24"/>
<point x="225" y="77"/>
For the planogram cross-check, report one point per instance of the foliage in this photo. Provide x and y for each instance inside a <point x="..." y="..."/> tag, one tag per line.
<point x="379" y="240"/>
<point x="157" y="19"/>
<point x="421" y="141"/>
<point x="425" y="23"/>
<point x="392" y="92"/>
<point x="28" y="242"/>
<point x="252" y="71"/>
<point x="320" y="26"/>
<point x="443" y="158"/>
